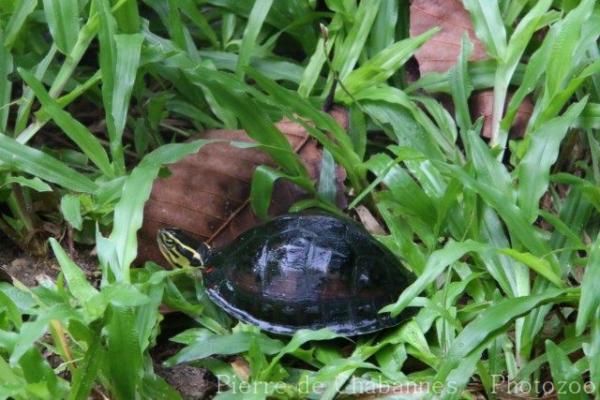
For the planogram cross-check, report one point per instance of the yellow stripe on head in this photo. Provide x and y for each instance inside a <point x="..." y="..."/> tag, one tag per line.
<point x="181" y="250"/>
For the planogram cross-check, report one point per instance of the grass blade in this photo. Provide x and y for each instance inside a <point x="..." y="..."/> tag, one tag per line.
<point x="22" y="10"/>
<point x="6" y="67"/>
<point x="346" y="58"/>
<point x="255" y="22"/>
<point x="567" y="36"/>
<point x="127" y="61"/>
<point x="76" y="131"/>
<point x="436" y="264"/>
<point x="30" y="160"/>
<point x="491" y="322"/>
<point x="28" y="96"/>
<point x="384" y="28"/>
<point x="534" y="169"/>
<point x="263" y="182"/>
<point x="383" y="65"/>
<point x="259" y="127"/>
<point x="238" y="342"/>
<point x="460" y="84"/>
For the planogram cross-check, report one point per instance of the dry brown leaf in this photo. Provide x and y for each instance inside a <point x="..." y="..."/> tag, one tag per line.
<point x="369" y="221"/>
<point x="208" y="192"/>
<point x="440" y="53"/>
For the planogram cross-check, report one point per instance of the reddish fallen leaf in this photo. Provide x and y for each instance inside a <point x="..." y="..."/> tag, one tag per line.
<point x="440" y="53"/>
<point x="208" y="193"/>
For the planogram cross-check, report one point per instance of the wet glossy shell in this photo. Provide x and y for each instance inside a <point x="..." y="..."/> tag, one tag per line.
<point x="307" y="271"/>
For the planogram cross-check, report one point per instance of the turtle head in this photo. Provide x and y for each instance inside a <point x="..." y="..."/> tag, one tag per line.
<point x="180" y="249"/>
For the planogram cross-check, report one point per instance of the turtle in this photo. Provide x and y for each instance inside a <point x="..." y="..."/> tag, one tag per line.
<point x="298" y="271"/>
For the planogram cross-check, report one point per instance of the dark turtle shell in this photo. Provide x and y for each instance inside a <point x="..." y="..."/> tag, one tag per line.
<point x="307" y="271"/>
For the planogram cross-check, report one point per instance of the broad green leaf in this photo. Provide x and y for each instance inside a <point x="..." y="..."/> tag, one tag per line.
<point x="399" y="182"/>
<point x="128" y="17"/>
<point x="34" y="183"/>
<point x="62" y="17"/>
<point x="127" y="61"/>
<point x="489" y="26"/>
<point x="294" y="105"/>
<point x="459" y="377"/>
<point x="539" y="265"/>
<point x="31" y="331"/>
<point x="37" y="371"/>
<point x="590" y="289"/>
<point x="327" y="189"/>
<point x="533" y="72"/>
<point x="569" y="346"/>
<point x="487" y="168"/>
<point x="357" y="130"/>
<point x="256" y="359"/>
<point x="564" y="374"/>
<point x="77" y="282"/>
<point x="27" y="159"/>
<point x="87" y="370"/>
<point x="175" y="26"/>
<point x="592" y="352"/>
<point x="263" y="182"/>
<point x="512" y="277"/>
<point x="302" y="111"/>
<point x="70" y="206"/>
<point x="124" y="354"/>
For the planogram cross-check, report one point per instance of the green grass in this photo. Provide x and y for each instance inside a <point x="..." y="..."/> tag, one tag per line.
<point x="503" y="236"/>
